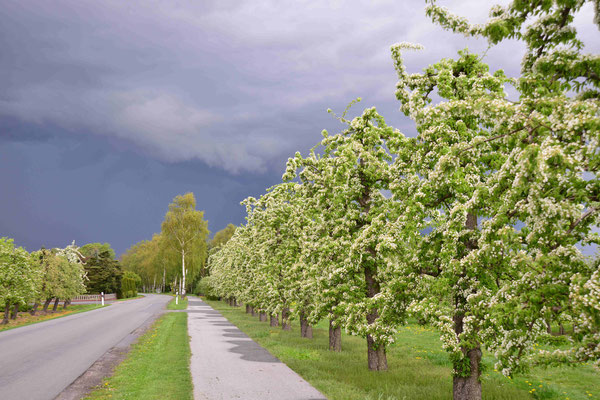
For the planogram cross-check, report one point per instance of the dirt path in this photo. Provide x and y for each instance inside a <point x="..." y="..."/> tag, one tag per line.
<point x="227" y="364"/>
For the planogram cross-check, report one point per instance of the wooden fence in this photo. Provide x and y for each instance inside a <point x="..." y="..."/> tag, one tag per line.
<point x="94" y="297"/>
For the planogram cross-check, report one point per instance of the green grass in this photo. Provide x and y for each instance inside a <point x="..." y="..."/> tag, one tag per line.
<point x="181" y="306"/>
<point x="418" y="367"/>
<point x="157" y="366"/>
<point x="24" y="318"/>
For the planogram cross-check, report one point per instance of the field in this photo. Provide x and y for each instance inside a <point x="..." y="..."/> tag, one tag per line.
<point x="418" y="367"/>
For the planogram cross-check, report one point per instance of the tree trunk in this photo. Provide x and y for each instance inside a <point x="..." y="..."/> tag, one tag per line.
<point x="376" y="356"/>
<point x="285" y="319"/>
<point x="253" y="311"/>
<point x="183" y="273"/>
<point x="335" y="337"/>
<point x="46" y="304"/>
<point x="274" y="320"/>
<point x="466" y="384"/>
<point x="561" y="329"/>
<point x="15" y="311"/>
<point x="34" y="308"/>
<point x="248" y="309"/>
<point x="469" y="387"/>
<point x="55" y="304"/>
<point x="262" y="316"/>
<point x="66" y="303"/>
<point x="6" y="313"/>
<point x="548" y="327"/>
<point x="305" y="328"/>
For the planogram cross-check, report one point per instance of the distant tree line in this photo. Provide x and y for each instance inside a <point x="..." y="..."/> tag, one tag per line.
<point x="47" y="275"/>
<point x="175" y="258"/>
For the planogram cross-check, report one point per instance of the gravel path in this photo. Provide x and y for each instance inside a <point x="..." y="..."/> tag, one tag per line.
<point x="227" y="364"/>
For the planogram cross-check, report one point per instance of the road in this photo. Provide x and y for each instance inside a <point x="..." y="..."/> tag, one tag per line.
<point x="226" y="364"/>
<point x="38" y="361"/>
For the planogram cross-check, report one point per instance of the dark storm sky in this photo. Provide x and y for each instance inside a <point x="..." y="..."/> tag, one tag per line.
<point x="110" y="109"/>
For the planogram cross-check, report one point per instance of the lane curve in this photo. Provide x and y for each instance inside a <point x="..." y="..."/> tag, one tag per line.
<point x="38" y="361"/>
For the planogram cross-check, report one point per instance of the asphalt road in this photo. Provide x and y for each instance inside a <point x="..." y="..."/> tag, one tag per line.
<point x="38" y="361"/>
<point x="226" y="364"/>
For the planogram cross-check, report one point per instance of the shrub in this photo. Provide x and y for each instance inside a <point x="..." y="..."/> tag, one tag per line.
<point x="205" y="287"/>
<point x="129" y="283"/>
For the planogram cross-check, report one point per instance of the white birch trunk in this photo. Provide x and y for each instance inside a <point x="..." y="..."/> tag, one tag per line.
<point x="183" y="272"/>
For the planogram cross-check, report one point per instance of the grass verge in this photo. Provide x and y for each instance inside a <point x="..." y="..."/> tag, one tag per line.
<point x="157" y="366"/>
<point x="418" y="366"/>
<point x="181" y="306"/>
<point x="24" y="318"/>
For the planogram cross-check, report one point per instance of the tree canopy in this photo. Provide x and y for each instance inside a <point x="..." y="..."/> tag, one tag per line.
<point x="94" y="249"/>
<point x="222" y="236"/>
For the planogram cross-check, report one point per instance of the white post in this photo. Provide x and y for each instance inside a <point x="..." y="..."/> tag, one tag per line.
<point x="177" y="297"/>
<point x="102" y="295"/>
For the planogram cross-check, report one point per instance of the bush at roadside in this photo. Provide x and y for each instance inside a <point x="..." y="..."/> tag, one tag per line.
<point x="205" y="287"/>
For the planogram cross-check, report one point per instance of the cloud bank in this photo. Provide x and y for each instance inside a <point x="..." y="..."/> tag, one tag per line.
<point x="236" y="85"/>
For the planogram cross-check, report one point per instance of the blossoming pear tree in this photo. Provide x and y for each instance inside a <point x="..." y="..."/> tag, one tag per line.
<point x="507" y="189"/>
<point x="354" y="172"/>
<point x="276" y="247"/>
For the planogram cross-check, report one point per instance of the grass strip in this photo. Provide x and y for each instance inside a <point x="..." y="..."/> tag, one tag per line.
<point x="418" y="366"/>
<point x="24" y="318"/>
<point x="157" y="366"/>
<point x="181" y="306"/>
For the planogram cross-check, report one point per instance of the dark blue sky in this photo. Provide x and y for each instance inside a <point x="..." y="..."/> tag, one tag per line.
<point x="110" y="109"/>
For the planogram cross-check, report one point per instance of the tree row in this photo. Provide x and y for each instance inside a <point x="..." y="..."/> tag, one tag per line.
<point x="476" y="225"/>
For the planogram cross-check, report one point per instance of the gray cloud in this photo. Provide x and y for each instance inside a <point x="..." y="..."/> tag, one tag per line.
<point x="236" y="85"/>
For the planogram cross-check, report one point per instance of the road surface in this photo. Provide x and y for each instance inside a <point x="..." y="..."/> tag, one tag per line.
<point x="226" y="364"/>
<point x="38" y="361"/>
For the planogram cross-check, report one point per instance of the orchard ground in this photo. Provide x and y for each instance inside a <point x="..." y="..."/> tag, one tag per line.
<point x="418" y="366"/>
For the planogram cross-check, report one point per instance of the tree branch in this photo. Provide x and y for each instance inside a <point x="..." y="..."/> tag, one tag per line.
<point x="492" y="138"/>
<point x="585" y="215"/>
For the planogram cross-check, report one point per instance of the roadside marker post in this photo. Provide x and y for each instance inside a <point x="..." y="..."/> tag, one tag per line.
<point x="102" y="295"/>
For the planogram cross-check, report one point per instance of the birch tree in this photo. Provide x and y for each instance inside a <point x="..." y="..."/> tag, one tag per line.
<point x="185" y="230"/>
